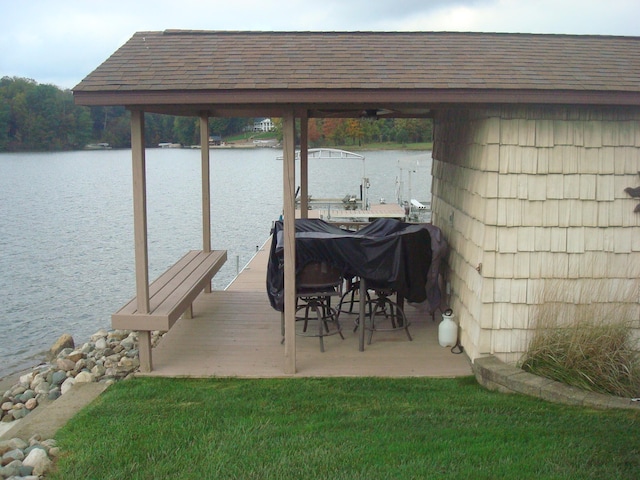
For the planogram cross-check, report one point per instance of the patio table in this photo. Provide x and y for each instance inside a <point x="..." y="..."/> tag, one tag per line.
<point x="387" y="255"/>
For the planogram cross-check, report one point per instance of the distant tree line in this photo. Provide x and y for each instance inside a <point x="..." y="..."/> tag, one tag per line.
<point x="40" y="117"/>
<point x="325" y="132"/>
<point x="36" y="117"/>
<point x="360" y="131"/>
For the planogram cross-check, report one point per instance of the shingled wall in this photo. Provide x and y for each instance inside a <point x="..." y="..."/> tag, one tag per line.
<point x="532" y="201"/>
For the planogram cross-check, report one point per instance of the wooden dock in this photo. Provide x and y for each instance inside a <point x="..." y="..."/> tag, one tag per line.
<point x="380" y="210"/>
<point x="236" y="333"/>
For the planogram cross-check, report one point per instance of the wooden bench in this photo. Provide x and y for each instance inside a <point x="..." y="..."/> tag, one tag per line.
<point x="170" y="296"/>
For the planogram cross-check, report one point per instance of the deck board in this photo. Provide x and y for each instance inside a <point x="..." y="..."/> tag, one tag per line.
<point x="236" y="333"/>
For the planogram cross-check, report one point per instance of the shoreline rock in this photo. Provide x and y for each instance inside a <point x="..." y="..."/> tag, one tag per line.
<point x="108" y="356"/>
<point x="64" y="341"/>
<point x="27" y="459"/>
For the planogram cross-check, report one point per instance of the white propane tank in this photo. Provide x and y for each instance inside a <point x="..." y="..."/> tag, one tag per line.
<point x="447" y="330"/>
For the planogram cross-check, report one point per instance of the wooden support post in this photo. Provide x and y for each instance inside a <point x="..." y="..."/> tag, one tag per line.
<point x="289" y="180"/>
<point x="144" y="350"/>
<point x="304" y="166"/>
<point x="206" y="188"/>
<point x="140" y="230"/>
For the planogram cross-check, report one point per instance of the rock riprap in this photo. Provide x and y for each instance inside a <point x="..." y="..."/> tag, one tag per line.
<point x="29" y="459"/>
<point x="107" y="357"/>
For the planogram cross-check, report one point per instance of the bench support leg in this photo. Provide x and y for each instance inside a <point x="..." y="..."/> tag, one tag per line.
<point x="188" y="313"/>
<point x="144" y="350"/>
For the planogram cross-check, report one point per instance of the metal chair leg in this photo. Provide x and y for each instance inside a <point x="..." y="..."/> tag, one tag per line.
<point x="391" y="310"/>
<point x="324" y="315"/>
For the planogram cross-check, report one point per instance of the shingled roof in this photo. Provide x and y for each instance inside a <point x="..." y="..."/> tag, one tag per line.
<point x="333" y="70"/>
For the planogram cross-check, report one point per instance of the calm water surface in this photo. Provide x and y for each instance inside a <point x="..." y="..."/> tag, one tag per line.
<point x="66" y="228"/>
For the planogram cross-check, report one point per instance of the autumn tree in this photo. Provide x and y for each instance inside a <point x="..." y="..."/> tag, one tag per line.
<point x="334" y="130"/>
<point x="354" y="130"/>
<point x="315" y="132"/>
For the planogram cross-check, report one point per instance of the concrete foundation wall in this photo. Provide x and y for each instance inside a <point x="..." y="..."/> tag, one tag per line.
<point x="533" y="205"/>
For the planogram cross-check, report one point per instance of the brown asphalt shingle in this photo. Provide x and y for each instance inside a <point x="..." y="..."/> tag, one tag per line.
<point x="264" y="60"/>
<point x="211" y="61"/>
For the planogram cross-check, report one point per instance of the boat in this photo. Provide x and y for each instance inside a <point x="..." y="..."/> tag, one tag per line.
<point x="98" y="146"/>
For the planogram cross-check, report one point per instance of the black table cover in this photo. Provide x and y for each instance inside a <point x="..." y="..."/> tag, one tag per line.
<point x="388" y="253"/>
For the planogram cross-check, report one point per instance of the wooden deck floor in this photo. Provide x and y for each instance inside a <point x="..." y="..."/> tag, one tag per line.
<point x="235" y="333"/>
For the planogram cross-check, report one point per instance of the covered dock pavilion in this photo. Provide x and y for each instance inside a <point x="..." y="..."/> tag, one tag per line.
<point x="526" y="126"/>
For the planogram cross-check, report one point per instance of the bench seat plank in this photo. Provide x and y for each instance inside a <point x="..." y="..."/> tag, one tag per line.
<point x="172" y="293"/>
<point x="159" y="283"/>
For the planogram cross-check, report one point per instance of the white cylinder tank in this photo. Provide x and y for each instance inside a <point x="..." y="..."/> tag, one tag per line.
<point x="447" y="330"/>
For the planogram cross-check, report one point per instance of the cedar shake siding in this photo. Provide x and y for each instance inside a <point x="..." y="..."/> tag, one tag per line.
<point x="532" y="200"/>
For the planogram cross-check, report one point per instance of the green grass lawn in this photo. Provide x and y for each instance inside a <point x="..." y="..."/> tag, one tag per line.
<point x="244" y="136"/>
<point x="341" y="428"/>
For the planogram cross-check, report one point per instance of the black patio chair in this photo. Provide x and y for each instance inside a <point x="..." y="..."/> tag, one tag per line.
<point x="383" y="309"/>
<point x="316" y="284"/>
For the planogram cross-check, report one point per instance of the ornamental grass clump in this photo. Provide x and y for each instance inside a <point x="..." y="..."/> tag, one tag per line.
<point x="590" y="346"/>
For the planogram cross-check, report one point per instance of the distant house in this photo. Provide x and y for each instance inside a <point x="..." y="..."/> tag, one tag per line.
<point x="215" y="140"/>
<point x="263" y="125"/>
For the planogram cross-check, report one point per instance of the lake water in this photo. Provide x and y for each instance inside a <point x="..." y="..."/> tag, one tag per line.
<point x="66" y="228"/>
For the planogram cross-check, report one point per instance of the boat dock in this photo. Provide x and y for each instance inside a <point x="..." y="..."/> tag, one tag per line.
<point x="337" y="213"/>
<point x="236" y="333"/>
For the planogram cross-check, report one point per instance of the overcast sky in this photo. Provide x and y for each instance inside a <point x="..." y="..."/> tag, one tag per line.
<point x="62" y="41"/>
